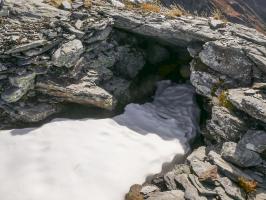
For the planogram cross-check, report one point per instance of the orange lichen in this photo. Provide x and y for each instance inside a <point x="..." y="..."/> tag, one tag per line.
<point x="247" y="185"/>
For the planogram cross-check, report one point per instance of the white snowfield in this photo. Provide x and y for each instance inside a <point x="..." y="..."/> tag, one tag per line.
<point x="98" y="159"/>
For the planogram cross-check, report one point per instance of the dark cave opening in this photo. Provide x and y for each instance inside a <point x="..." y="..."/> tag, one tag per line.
<point x="174" y="65"/>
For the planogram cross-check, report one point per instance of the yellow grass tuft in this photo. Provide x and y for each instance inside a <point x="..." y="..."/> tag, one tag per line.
<point x="218" y="15"/>
<point x="223" y="100"/>
<point x="247" y="185"/>
<point x="175" y="11"/>
<point x="149" y="7"/>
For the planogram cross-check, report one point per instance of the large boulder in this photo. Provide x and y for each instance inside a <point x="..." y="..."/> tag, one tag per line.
<point x="228" y="58"/>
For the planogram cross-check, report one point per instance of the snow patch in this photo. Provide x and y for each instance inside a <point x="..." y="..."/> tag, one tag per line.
<point x="98" y="158"/>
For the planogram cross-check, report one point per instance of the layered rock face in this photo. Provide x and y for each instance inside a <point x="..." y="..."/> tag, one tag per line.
<point x="91" y="56"/>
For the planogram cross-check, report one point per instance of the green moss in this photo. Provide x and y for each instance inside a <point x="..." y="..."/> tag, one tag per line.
<point x="223" y="100"/>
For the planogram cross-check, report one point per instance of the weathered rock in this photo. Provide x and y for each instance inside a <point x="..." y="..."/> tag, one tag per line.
<point x="68" y="54"/>
<point x="21" y="84"/>
<point x="221" y="193"/>
<point x="202" y="190"/>
<point x="232" y="189"/>
<point x="78" y="93"/>
<point x="194" y="49"/>
<point x="66" y="5"/>
<point x="228" y="169"/>
<point x="260" y="194"/>
<point x="146" y="190"/>
<point x="228" y="58"/>
<point x="225" y="125"/>
<point x="27" y="46"/>
<point x="251" y="101"/>
<point x="134" y="193"/>
<point x="169" y="177"/>
<point x="215" y="24"/>
<point x="204" y="82"/>
<point x="240" y="156"/>
<point x="191" y="192"/>
<point x="130" y="61"/>
<point x="34" y="113"/>
<point x="168" y="195"/>
<point x="254" y="141"/>
<point x="199" y="154"/>
<point x="100" y="35"/>
<point x="203" y="169"/>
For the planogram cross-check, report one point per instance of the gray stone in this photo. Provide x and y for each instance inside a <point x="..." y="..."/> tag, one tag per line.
<point x="68" y="54"/>
<point x="194" y="49"/>
<point x="228" y="58"/>
<point x="232" y="189"/>
<point x="23" y="81"/>
<point x="130" y="61"/>
<point x="240" y="156"/>
<point x="168" y="195"/>
<point x="199" y="154"/>
<point x="120" y="88"/>
<point x="99" y="35"/>
<point x="13" y="94"/>
<point x="203" y="82"/>
<point x="117" y="4"/>
<point x="254" y="140"/>
<point x="204" y="170"/>
<point x="202" y="190"/>
<point x="191" y="192"/>
<point x="225" y="125"/>
<point x="21" y="84"/>
<point x="33" y="113"/>
<point x="66" y="5"/>
<point x="251" y="101"/>
<point x="81" y="93"/>
<point x="215" y="24"/>
<point x="221" y="193"/>
<point x="228" y="169"/>
<point x="260" y="61"/>
<point x="28" y="46"/>
<point x="260" y="194"/>
<point x="147" y="189"/>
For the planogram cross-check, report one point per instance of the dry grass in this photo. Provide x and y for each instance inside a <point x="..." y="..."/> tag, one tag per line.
<point x="58" y="3"/>
<point x="218" y="15"/>
<point x="149" y="7"/>
<point x="247" y="185"/>
<point x="223" y="100"/>
<point x="174" y="11"/>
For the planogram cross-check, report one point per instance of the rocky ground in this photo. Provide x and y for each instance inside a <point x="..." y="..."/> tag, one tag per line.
<point x="93" y="56"/>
